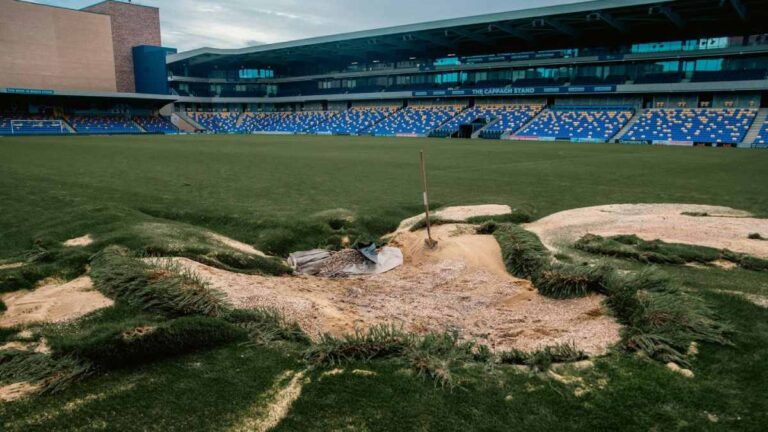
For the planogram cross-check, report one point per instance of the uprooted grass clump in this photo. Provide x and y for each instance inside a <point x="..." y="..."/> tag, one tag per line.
<point x="3" y="307"/>
<point x="756" y="236"/>
<point x="431" y="356"/>
<point x="660" y="252"/>
<point x="48" y="373"/>
<point x="517" y="216"/>
<point x="125" y="343"/>
<point x="660" y="320"/>
<point x="160" y="288"/>
<point x="46" y="259"/>
<point x="543" y="358"/>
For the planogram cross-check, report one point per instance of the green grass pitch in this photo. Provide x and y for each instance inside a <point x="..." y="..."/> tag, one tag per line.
<point x="262" y="190"/>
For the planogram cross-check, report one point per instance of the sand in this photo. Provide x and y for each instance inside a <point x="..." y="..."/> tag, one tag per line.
<point x="16" y="391"/>
<point x="234" y="244"/>
<point x="724" y="228"/>
<point x="53" y="303"/>
<point x="457" y="214"/>
<point x="79" y="241"/>
<point x="461" y="286"/>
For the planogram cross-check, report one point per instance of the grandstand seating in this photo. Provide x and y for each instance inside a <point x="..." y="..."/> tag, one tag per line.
<point x="579" y="123"/>
<point x="706" y="125"/>
<point x="416" y="120"/>
<point x="762" y="137"/>
<point x="217" y="122"/>
<point x="156" y="124"/>
<point x="291" y="122"/>
<point x="510" y="117"/>
<point x="30" y="124"/>
<point x="103" y="125"/>
<point x="353" y="121"/>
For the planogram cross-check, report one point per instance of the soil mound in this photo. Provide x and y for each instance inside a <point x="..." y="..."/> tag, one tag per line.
<point x="462" y="285"/>
<point x="717" y="227"/>
<point x="53" y="303"/>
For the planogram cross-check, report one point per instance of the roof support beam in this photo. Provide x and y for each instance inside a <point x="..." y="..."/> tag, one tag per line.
<point x="476" y="37"/>
<point x="512" y="31"/>
<point x="739" y="6"/>
<point x="434" y="40"/>
<point x="608" y="19"/>
<point x="557" y="25"/>
<point x="671" y="15"/>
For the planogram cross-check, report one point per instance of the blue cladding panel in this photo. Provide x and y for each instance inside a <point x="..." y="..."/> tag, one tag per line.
<point x="150" y="70"/>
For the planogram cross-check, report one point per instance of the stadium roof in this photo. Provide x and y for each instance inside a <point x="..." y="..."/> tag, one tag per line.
<point x="584" y="24"/>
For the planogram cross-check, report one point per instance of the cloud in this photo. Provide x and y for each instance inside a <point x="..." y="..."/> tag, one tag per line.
<point x="190" y="24"/>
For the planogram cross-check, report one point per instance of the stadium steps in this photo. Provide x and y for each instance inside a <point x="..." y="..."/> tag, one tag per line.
<point x="373" y="126"/>
<point x="754" y="130"/>
<point x="67" y="126"/>
<point x="619" y="135"/>
<point x="140" y="127"/>
<point x="446" y="122"/>
<point x="511" y="134"/>
<point x="477" y="133"/>
<point x="184" y="122"/>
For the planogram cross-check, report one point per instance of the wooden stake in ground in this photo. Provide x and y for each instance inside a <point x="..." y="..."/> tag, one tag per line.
<point x="431" y="243"/>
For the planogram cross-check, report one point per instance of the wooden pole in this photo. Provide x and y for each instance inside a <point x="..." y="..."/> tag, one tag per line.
<point x="431" y="243"/>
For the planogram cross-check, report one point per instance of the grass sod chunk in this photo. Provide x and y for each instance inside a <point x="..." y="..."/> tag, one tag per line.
<point x="563" y="281"/>
<point x="115" y="345"/>
<point x="3" y="307"/>
<point x="523" y="253"/>
<point x="266" y="325"/>
<point x="53" y="374"/>
<point x="163" y="288"/>
<point x="543" y="358"/>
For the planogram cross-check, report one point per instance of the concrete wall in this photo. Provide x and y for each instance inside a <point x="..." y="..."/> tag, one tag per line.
<point x="43" y="47"/>
<point x="132" y="25"/>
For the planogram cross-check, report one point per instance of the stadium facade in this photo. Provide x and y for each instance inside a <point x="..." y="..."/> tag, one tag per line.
<point x="680" y="72"/>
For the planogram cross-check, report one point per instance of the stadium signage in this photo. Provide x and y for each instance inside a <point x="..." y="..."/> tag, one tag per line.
<point x="28" y="91"/>
<point x="508" y="91"/>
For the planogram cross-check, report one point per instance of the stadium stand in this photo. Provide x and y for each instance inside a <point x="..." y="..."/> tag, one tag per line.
<point x="503" y="118"/>
<point x="762" y="136"/>
<point x="697" y="125"/>
<point x="415" y="120"/>
<point x="578" y="123"/>
<point x="353" y="121"/>
<point x="291" y="122"/>
<point x="510" y="119"/>
<point x="217" y="122"/>
<point x="156" y="124"/>
<point x="103" y="125"/>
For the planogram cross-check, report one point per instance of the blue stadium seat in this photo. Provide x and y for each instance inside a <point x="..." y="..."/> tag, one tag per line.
<point x="415" y="121"/>
<point x="218" y="122"/>
<point x="353" y="121"/>
<point x="103" y="125"/>
<point x="156" y="124"/>
<point x="578" y="123"/>
<point x="762" y="137"/>
<point x="505" y="118"/>
<point x="704" y="125"/>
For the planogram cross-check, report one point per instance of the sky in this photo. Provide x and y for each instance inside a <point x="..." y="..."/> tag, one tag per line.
<point x="190" y="24"/>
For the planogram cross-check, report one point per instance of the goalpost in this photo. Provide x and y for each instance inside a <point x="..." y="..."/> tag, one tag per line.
<point x="18" y="126"/>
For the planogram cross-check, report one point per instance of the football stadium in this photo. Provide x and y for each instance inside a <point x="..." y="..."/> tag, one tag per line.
<point x="549" y="218"/>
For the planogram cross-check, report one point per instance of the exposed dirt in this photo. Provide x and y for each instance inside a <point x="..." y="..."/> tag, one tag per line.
<point x="79" y="241"/>
<point x="15" y="391"/>
<point x="53" y="303"/>
<point x="723" y="228"/>
<point x="11" y="266"/>
<point x="462" y="285"/>
<point x="234" y="244"/>
<point x="459" y="213"/>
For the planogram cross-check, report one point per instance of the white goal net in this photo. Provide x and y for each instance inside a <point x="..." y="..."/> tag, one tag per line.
<point x="19" y="127"/>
